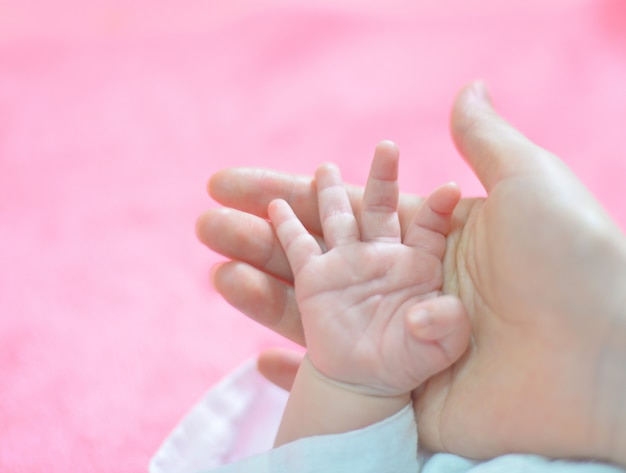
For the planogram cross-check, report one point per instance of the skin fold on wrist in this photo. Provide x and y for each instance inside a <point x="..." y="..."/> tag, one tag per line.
<point x="318" y="405"/>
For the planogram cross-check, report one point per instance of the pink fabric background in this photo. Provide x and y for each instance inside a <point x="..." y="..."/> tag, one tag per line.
<point x="113" y="114"/>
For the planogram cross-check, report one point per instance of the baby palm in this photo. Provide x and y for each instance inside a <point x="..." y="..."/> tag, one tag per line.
<point x="354" y="299"/>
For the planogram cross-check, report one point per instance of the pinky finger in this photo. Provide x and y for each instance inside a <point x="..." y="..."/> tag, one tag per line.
<point x="299" y="245"/>
<point x="431" y="223"/>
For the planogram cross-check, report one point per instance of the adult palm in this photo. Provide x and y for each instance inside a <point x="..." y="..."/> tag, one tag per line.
<point x="538" y="265"/>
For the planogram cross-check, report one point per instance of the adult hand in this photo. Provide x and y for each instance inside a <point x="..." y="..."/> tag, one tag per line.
<point x="539" y="266"/>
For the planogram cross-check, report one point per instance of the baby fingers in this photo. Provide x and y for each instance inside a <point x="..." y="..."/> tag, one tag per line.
<point x="338" y="222"/>
<point x="432" y="220"/>
<point x="379" y="216"/>
<point x="299" y="245"/>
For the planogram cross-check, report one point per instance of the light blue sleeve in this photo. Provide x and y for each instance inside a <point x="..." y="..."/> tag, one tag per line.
<point x="446" y="463"/>
<point x="388" y="446"/>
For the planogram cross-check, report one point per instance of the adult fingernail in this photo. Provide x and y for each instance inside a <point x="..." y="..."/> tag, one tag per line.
<point x="482" y="92"/>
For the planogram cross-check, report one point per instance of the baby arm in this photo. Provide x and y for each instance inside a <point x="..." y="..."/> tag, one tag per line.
<point x="375" y="322"/>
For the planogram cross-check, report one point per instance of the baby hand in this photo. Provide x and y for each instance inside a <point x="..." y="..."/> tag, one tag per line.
<point x="371" y="305"/>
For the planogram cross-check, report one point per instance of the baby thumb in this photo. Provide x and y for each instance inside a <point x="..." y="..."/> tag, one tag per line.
<point x="444" y="321"/>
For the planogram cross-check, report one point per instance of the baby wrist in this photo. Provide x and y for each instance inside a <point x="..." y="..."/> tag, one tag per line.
<point x="318" y="405"/>
<point x="357" y="389"/>
<point x="358" y="405"/>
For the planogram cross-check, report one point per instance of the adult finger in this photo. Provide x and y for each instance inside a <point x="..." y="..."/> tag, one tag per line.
<point x="244" y="237"/>
<point x="279" y="366"/>
<point x="252" y="189"/>
<point x="492" y="147"/>
<point x="261" y="297"/>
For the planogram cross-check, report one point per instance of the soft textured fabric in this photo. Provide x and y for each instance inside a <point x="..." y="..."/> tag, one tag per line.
<point x="444" y="463"/>
<point x="217" y="431"/>
<point x="114" y="113"/>
<point x="232" y="428"/>
<point x="236" y="419"/>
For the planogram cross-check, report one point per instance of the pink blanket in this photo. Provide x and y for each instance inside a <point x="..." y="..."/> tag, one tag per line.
<point x="114" y="113"/>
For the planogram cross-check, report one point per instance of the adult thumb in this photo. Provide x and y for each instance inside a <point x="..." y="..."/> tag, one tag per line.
<point x="492" y="147"/>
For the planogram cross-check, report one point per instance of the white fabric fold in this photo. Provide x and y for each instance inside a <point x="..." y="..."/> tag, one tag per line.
<point x="237" y="418"/>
